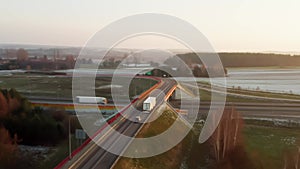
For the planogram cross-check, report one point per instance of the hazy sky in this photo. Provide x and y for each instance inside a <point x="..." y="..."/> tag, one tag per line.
<point x="231" y="25"/>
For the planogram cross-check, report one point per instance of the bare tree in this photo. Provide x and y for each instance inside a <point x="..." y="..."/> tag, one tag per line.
<point x="292" y="159"/>
<point x="227" y="146"/>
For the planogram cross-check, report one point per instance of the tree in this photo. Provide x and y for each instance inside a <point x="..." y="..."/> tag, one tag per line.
<point x="227" y="146"/>
<point x="292" y="158"/>
<point x="3" y="106"/>
<point x="8" y="147"/>
<point x="22" y="55"/>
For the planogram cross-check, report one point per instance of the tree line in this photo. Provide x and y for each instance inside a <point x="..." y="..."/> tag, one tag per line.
<point x="245" y="59"/>
<point x="20" y="123"/>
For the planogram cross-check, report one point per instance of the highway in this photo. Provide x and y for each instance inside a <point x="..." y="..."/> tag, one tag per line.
<point x="255" y="109"/>
<point x="219" y="90"/>
<point x="93" y="156"/>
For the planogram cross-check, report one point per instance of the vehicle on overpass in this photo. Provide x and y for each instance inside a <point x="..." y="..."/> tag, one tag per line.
<point x="91" y="100"/>
<point x="149" y="103"/>
<point x="138" y="118"/>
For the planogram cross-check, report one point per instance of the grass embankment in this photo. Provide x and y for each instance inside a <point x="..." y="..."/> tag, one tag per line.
<point x="267" y="145"/>
<point x="233" y="94"/>
<point x="263" y="94"/>
<point x="139" y="85"/>
<point x="264" y="68"/>
<point x="61" y="86"/>
<point x="206" y="97"/>
<point x="42" y="85"/>
<point x="169" y="159"/>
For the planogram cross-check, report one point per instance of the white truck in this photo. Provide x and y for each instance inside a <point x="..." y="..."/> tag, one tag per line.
<point x="149" y="103"/>
<point x="91" y="100"/>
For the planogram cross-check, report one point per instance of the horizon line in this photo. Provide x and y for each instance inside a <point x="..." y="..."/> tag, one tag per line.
<point x="2" y="44"/>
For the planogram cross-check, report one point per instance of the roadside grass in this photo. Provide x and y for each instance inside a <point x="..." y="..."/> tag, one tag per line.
<point x="266" y="145"/>
<point x="198" y="155"/>
<point x="170" y="159"/>
<point x="42" y="85"/>
<point x="159" y="125"/>
<point x="61" y="86"/>
<point x="263" y="93"/>
<point x="206" y="95"/>
<point x="264" y="68"/>
<point x="139" y="85"/>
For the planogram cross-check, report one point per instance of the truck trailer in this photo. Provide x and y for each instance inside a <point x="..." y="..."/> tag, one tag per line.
<point x="149" y="103"/>
<point x="91" y="100"/>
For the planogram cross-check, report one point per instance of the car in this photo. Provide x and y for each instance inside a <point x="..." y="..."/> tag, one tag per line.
<point x="138" y="118"/>
<point x="99" y="122"/>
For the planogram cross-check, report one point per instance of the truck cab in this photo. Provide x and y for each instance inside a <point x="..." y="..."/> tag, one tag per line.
<point x="149" y="103"/>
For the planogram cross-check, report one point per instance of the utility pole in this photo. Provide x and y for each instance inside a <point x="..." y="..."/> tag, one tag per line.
<point x="70" y="139"/>
<point x="29" y="84"/>
<point x="58" y="91"/>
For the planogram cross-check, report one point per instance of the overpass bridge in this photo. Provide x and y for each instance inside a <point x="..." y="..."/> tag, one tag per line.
<point x="90" y="155"/>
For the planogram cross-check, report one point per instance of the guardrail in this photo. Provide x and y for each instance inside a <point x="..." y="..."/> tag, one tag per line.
<point x="170" y="92"/>
<point x="70" y="107"/>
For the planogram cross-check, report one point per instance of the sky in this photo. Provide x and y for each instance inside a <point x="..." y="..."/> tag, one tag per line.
<point x="231" y="25"/>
